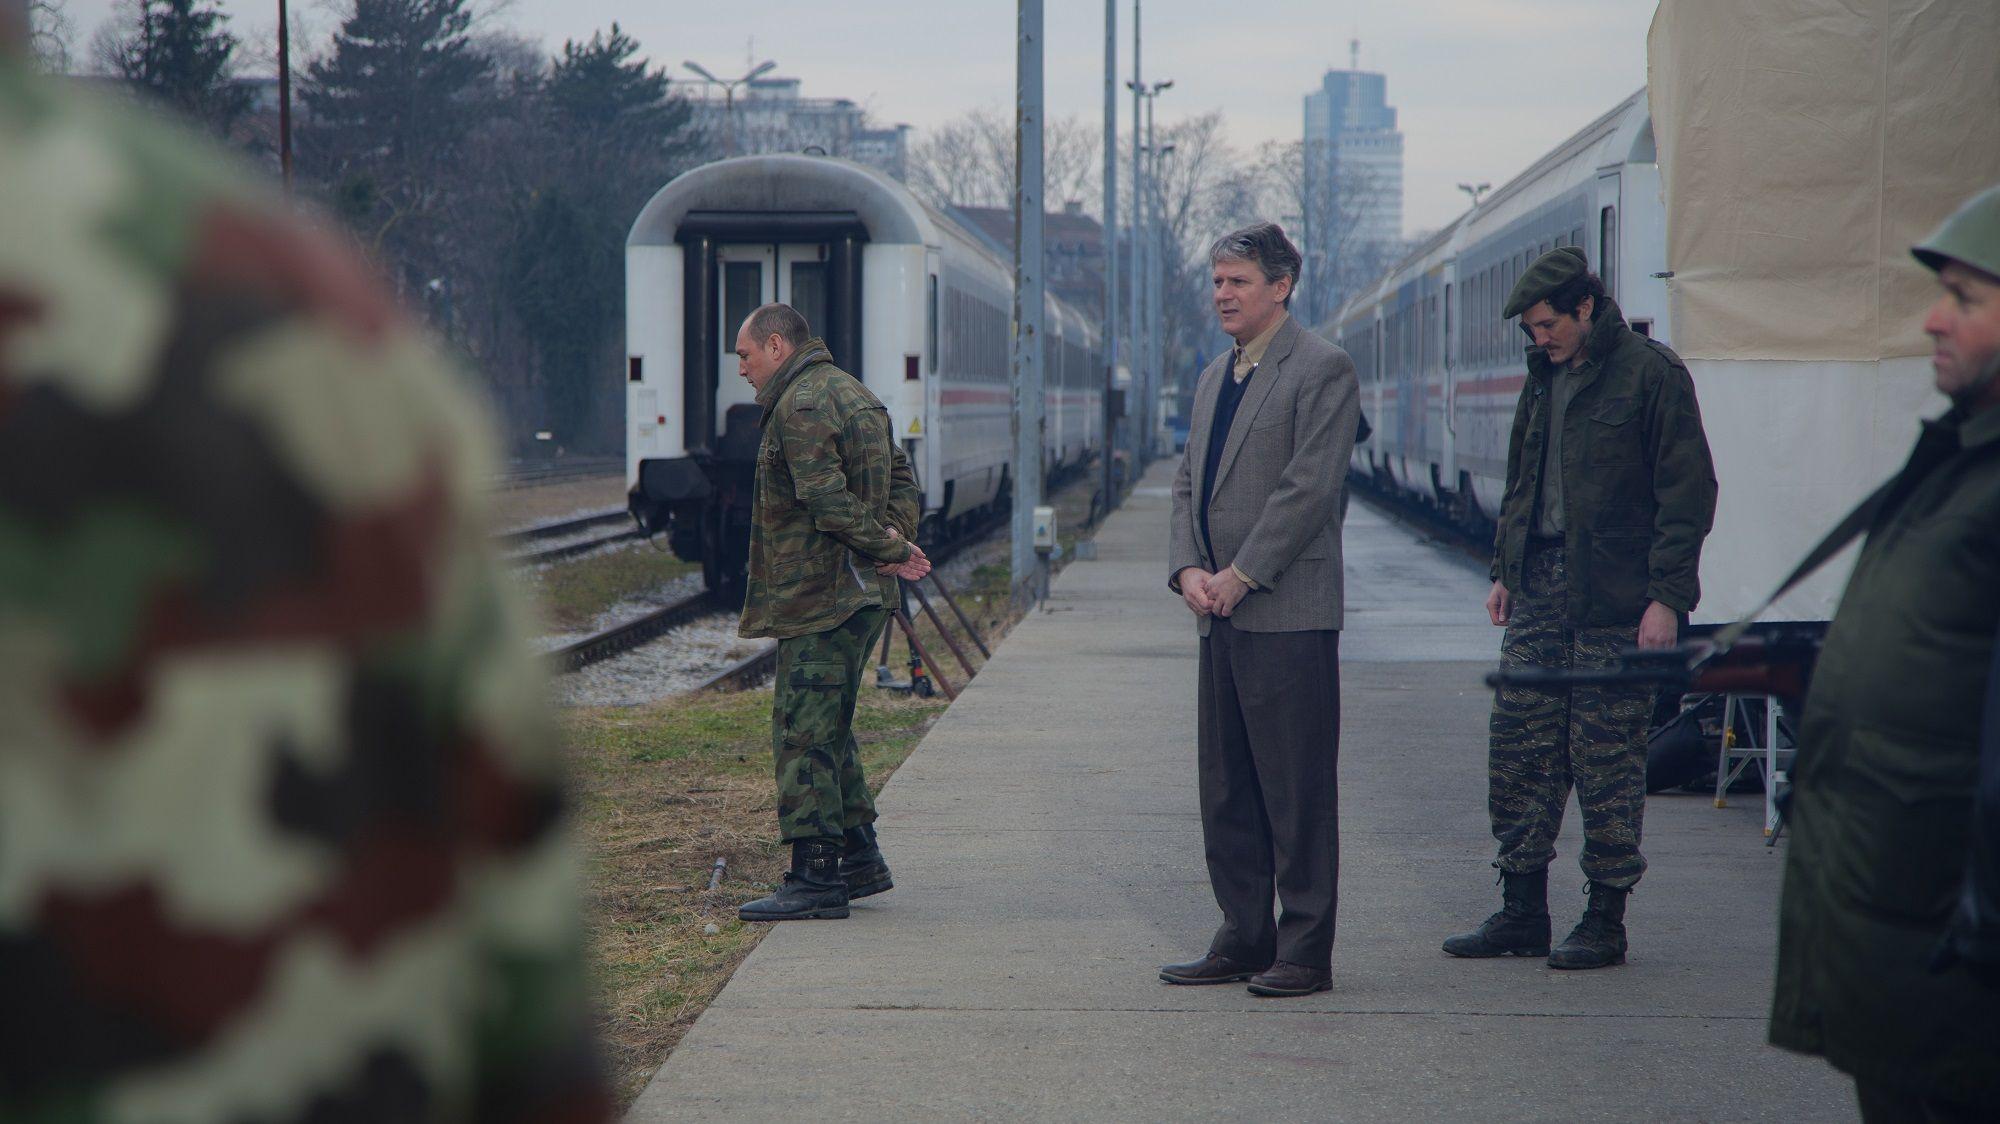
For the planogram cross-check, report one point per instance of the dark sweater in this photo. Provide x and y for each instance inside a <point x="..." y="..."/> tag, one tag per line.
<point x="1230" y="397"/>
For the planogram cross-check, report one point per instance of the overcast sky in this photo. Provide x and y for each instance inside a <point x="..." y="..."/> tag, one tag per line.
<point x="1483" y="87"/>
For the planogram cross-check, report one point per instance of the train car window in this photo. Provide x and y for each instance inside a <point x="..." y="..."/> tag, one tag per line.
<point x="809" y="296"/>
<point x="931" y="326"/>
<point x="1576" y="237"/>
<point x="1607" y="250"/>
<point x="1445" y="332"/>
<point x="742" y="292"/>
<point x="1561" y="241"/>
<point x="1643" y="327"/>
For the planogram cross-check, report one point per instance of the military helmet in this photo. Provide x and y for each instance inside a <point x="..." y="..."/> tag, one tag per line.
<point x="1971" y="235"/>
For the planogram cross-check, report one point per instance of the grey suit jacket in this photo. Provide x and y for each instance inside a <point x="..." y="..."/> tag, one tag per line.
<point x="1274" y="509"/>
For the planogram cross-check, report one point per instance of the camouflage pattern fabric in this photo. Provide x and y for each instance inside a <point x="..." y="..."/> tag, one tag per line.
<point x="830" y="484"/>
<point x="280" y="823"/>
<point x="821" y="789"/>
<point x="1543" y="742"/>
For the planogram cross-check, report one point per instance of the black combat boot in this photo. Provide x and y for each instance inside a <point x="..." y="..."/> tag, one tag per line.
<point x="812" y="888"/>
<point x="1598" y="941"/>
<point x="1521" y="928"/>
<point x="862" y="866"/>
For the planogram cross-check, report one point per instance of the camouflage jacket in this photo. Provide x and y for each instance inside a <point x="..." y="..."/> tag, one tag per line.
<point x="1638" y="484"/>
<point x="280" y="824"/>
<point x="830" y="484"/>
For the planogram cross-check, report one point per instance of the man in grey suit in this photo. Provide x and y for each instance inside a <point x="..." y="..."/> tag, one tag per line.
<point x="1255" y="553"/>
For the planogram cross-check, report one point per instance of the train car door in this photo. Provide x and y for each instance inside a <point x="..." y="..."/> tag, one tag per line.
<point x="748" y="279"/>
<point x="803" y="283"/>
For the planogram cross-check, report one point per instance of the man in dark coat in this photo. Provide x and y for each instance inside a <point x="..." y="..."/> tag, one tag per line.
<point x="1874" y="973"/>
<point x="1610" y="491"/>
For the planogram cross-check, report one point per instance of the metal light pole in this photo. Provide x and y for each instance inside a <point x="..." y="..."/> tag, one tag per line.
<point x="1030" y="576"/>
<point x="1106" y="484"/>
<point x="1157" y="314"/>
<point x="1135" y="353"/>
<point x="728" y="97"/>
<point x="1145" y="324"/>
<point x="285" y="96"/>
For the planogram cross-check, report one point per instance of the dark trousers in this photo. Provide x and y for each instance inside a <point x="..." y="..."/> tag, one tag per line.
<point x="1270" y="740"/>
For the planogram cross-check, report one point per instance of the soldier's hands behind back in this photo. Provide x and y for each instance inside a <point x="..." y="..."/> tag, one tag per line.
<point x="912" y="568"/>
<point x="1499" y="604"/>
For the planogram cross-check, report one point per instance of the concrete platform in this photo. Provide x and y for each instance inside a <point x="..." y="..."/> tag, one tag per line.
<point x="1047" y="853"/>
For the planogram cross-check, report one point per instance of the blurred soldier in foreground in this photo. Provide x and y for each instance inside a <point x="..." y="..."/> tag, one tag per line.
<point x="1254" y="552"/>
<point x="832" y="530"/>
<point x="1610" y="492"/>
<point x="280" y="830"/>
<point x="1875" y="971"/>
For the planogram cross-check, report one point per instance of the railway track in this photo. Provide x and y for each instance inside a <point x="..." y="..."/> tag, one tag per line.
<point x="516" y="542"/>
<point x="631" y="634"/>
<point x="534" y="475"/>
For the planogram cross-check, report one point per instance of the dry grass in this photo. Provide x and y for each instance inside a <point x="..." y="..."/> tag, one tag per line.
<point x="573" y="593"/>
<point x="663" y="792"/>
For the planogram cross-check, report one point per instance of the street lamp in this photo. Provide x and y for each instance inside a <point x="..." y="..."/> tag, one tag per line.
<point x="1146" y="294"/>
<point x="1475" y="190"/>
<point x="728" y="96"/>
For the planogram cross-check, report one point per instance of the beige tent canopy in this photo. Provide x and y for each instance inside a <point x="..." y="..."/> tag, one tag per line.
<point x="1805" y="144"/>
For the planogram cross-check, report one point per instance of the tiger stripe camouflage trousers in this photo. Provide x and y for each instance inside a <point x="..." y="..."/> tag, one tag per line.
<point x="821" y="789"/>
<point x="1544" y="742"/>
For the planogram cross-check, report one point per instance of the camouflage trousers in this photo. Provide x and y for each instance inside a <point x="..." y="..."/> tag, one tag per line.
<point x="1543" y="742"/>
<point x="821" y="791"/>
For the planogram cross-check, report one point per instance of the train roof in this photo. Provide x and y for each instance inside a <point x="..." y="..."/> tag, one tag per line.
<point x="828" y="188"/>
<point x="791" y="183"/>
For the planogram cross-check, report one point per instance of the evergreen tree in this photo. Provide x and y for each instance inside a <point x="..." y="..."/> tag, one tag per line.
<point x="620" y="135"/>
<point x="386" y="113"/>
<point x="180" y="54"/>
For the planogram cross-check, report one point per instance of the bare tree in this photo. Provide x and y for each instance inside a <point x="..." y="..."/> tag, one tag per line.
<point x="50" y="33"/>
<point x="1328" y="201"/>
<point x="969" y="162"/>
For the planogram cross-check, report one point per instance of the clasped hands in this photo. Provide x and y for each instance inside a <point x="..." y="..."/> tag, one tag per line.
<point x="909" y="569"/>
<point x="1215" y="594"/>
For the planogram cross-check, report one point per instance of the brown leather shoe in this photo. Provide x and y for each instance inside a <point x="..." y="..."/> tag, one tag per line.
<point x="1210" y="969"/>
<point x="1284" y="979"/>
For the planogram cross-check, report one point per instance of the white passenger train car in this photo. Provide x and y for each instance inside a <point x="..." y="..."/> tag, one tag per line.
<point x="907" y="300"/>
<point x="1439" y="370"/>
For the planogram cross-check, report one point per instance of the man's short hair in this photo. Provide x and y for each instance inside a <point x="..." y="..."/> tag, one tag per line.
<point x="1569" y="296"/>
<point x="1265" y="246"/>
<point x="779" y="320"/>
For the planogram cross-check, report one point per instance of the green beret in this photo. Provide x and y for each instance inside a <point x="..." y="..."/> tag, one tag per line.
<point x="1550" y="272"/>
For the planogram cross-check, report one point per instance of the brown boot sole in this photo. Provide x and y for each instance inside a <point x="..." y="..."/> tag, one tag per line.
<point x="1198" y="981"/>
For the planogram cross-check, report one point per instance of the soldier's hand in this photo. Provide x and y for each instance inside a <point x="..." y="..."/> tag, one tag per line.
<point x="1659" y="628"/>
<point x="1500" y="605"/>
<point x="1194" y="590"/>
<point x="914" y="567"/>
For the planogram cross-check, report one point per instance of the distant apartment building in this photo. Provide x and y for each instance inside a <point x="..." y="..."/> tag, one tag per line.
<point x="1353" y="193"/>
<point x="1072" y="245"/>
<point x="770" y="115"/>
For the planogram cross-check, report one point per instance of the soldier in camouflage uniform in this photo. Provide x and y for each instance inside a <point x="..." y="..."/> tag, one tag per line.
<point x="280" y="829"/>
<point x="832" y="531"/>
<point x="1610" y="491"/>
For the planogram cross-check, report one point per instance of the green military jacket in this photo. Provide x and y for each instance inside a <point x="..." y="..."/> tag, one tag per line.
<point x="1638" y="484"/>
<point x="830" y="485"/>
<point x="1882" y="789"/>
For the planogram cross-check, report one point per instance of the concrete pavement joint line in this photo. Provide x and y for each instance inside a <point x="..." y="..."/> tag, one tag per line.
<point x="1233" y="1012"/>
